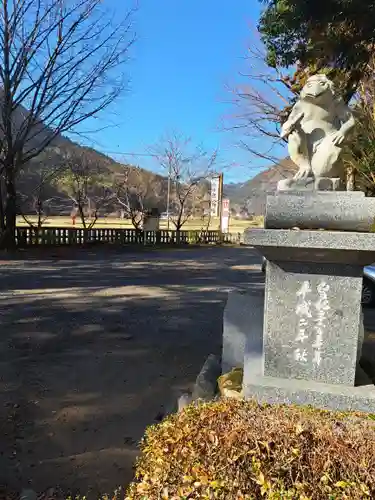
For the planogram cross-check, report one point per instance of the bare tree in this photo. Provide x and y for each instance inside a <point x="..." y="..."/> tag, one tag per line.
<point x="40" y="206"/>
<point x="206" y="215"/>
<point x="36" y="192"/>
<point x="261" y="102"/>
<point x="131" y="194"/>
<point x="85" y="183"/>
<point x="187" y="166"/>
<point x="60" y="64"/>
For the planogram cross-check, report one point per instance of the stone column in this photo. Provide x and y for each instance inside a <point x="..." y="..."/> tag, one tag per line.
<point x="313" y="325"/>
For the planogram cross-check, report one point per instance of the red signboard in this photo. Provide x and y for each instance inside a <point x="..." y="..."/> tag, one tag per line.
<point x="225" y="210"/>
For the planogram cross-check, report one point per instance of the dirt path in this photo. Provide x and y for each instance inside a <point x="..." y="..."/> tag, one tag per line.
<point x="91" y="349"/>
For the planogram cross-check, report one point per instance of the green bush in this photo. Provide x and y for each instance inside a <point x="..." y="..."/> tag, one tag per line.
<point x="242" y="450"/>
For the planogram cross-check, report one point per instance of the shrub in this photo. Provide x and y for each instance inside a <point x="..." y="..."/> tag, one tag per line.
<point x="233" y="449"/>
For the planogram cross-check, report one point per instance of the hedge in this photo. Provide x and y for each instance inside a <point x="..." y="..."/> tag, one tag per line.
<point x="232" y="449"/>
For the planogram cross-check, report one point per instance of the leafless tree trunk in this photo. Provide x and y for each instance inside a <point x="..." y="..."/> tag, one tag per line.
<point x="131" y="193"/>
<point x="188" y="166"/>
<point x="41" y="210"/>
<point x="350" y="178"/>
<point x="206" y="220"/>
<point x="2" y="198"/>
<point x="60" y="64"/>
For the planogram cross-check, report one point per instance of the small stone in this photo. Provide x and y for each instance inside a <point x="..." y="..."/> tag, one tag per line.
<point x="28" y="494"/>
<point x="183" y="401"/>
<point x="206" y="383"/>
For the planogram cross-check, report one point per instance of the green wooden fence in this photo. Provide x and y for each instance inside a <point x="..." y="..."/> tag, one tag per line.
<point x="58" y="236"/>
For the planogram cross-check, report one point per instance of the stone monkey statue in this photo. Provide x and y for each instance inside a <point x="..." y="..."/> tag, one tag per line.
<point x="316" y="129"/>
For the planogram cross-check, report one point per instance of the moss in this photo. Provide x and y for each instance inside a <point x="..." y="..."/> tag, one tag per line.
<point x="233" y="449"/>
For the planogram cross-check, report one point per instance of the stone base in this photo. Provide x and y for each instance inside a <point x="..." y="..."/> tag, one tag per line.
<point x="243" y="327"/>
<point x="302" y="392"/>
<point x="311" y="184"/>
<point x="339" y="211"/>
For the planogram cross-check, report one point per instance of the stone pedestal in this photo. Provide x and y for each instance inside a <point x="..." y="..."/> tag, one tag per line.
<point x="342" y="211"/>
<point x="313" y="325"/>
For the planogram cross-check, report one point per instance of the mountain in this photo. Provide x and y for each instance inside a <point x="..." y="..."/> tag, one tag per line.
<point x="40" y="171"/>
<point x="252" y="193"/>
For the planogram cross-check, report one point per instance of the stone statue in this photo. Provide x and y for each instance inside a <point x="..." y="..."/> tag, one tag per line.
<point x="316" y="130"/>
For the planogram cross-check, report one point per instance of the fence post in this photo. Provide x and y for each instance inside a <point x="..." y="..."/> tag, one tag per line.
<point x="158" y="237"/>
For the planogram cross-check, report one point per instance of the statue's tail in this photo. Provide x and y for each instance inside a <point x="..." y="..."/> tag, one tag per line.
<point x="325" y="157"/>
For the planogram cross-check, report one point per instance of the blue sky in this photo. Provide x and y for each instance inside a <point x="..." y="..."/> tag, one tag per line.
<point x="185" y="53"/>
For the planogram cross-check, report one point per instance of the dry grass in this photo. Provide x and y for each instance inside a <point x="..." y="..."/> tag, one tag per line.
<point x="240" y="450"/>
<point x="235" y="226"/>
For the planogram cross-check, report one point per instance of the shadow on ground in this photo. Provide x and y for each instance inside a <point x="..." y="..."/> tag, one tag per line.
<point x="93" y="346"/>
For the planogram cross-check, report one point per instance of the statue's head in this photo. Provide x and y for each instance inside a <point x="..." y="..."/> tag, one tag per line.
<point x="316" y="86"/>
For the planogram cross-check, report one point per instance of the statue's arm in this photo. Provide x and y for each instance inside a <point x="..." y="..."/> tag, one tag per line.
<point x="346" y="118"/>
<point x="295" y="116"/>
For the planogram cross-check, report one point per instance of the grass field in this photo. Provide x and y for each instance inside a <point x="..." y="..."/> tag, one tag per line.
<point x="235" y="226"/>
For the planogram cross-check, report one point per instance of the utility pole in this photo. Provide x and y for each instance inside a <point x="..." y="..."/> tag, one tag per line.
<point x="168" y="194"/>
<point x="220" y="199"/>
<point x="89" y="207"/>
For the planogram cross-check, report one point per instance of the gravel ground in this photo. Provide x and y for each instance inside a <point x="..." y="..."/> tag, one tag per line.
<point x="93" y="345"/>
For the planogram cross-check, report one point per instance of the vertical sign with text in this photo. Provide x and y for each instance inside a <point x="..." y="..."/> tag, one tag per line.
<point x="311" y="313"/>
<point x="225" y="216"/>
<point x="215" y="196"/>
